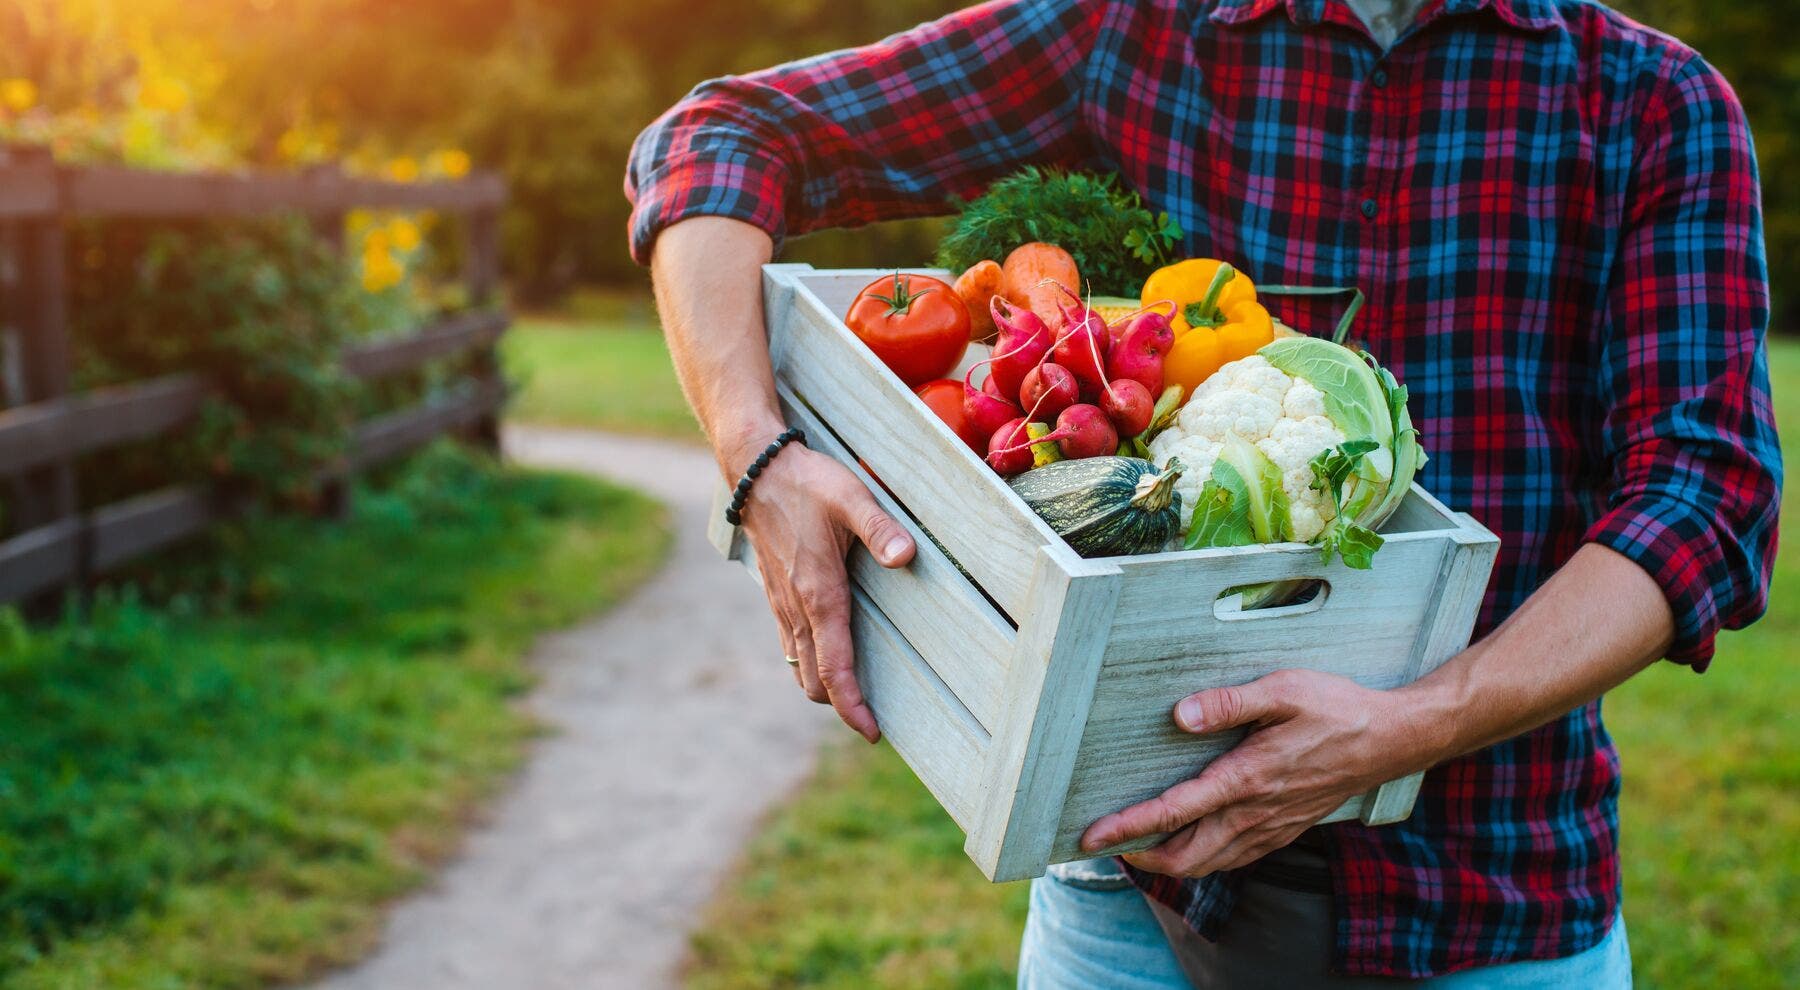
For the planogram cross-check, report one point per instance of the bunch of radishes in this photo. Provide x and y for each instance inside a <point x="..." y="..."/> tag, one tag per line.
<point x="1071" y="396"/>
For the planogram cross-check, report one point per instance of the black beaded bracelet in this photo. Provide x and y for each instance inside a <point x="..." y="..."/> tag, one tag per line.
<point x="734" y="513"/>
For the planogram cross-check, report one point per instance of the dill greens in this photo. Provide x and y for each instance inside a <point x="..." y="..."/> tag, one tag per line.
<point x="1114" y="238"/>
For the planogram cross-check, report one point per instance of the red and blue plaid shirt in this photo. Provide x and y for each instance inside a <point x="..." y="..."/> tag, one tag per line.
<point x="1554" y="212"/>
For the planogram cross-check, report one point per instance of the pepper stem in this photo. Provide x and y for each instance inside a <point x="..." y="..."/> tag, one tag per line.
<point x="1206" y="311"/>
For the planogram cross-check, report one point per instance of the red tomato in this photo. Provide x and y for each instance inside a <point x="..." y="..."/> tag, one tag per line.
<point x="944" y="396"/>
<point x="915" y="324"/>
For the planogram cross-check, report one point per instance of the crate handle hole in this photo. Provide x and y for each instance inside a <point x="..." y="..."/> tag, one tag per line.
<point x="1229" y="606"/>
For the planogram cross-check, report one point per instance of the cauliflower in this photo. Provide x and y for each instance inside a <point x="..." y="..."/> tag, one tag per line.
<point x="1282" y="415"/>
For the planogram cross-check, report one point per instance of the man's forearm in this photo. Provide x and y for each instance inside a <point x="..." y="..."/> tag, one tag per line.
<point x="708" y="275"/>
<point x="1597" y="621"/>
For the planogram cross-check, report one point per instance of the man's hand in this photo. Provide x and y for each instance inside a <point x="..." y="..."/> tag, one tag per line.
<point x="801" y="517"/>
<point x="1315" y="741"/>
<point x="805" y="508"/>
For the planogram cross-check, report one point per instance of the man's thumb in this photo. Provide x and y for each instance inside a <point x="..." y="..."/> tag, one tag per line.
<point x="886" y="539"/>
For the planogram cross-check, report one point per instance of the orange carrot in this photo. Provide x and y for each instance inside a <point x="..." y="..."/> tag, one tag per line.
<point x="977" y="287"/>
<point x="1024" y="274"/>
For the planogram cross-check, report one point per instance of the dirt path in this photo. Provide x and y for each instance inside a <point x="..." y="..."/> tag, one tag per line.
<point x="673" y="727"/>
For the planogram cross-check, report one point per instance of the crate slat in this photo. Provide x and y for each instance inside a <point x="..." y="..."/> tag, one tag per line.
<point x="1051" y="676"/>
<point x="918" y="714"/>
<point x="939" y="612"/>
<point x="930" y="471"/>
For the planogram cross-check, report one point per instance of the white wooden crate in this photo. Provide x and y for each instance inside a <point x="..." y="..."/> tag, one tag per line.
<point x="1036" y="697"/>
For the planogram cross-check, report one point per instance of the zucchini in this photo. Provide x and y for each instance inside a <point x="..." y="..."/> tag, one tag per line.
<point x="1106" y="506"/>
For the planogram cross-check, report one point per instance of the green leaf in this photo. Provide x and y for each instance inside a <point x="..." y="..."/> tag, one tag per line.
<point x="1355" y="544"/>
<point x="1334" y="466"/>
<point x="1222" y="512"/>
<point x="1332" y="469"/>
<point x="1266" y="499"/>
<point x="1114" y="238"/>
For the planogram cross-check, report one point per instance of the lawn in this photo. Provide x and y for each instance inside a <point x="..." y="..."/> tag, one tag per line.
<point x="861" y="881"/>
<point x="223" y="788"/>
<point x="598" y="362"/>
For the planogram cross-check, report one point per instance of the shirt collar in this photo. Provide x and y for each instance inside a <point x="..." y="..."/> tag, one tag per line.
<point x="1535" y="15"/>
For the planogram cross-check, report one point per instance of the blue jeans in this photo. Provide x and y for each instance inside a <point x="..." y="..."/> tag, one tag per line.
<point x="1088" y="928"/>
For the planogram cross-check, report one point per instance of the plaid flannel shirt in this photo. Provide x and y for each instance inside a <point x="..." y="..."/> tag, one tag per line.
<point x="1554" y="212"/>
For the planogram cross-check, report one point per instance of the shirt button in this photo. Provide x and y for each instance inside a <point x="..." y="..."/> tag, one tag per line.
<point x="1379" y="78"/>
<point x="1368" y="209"/>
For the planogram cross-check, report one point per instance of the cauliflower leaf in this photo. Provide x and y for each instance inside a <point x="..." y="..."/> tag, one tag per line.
<point x="1355" y="543"/>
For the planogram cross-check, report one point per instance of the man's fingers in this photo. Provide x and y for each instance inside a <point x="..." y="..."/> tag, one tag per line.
<point x="1217" y="842"/>
<point x="1266" y="699"/>
<point x="828" y="618"/>
<point x="1220" y="785"/>
<point x="808" y="667"/>
<point x="886" y="539"/>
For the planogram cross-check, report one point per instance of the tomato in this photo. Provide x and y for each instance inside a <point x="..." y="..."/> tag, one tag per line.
<point x="944" y="396"/>
<point x="915" y="324"/>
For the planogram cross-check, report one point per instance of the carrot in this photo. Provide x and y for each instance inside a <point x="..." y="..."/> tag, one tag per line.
<point x="1023" y="279"/>
<point x="976" y="287"/>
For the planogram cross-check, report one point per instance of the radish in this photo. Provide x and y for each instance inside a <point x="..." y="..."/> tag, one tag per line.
<point x="1089" y="432"/>
<point x="1021" y="345"/>
<point x="1148" y="331"/>
<point x="1081" y="431"/>
<point x="991" y="387"/>
<point x="1138" y="352"/>
<point x="1048" y="389"/>
<point x="1127" y="403"/>
<point x="983" y="411"/>
<point x="1009" y="449"/>
<point x="1082" y="347"/>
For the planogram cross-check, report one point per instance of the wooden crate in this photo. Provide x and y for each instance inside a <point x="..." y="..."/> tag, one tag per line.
<point x="1033" y="695"/>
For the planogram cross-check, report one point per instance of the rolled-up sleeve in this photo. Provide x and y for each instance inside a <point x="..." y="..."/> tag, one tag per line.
<point x="890" y="130"/>
<point x="1689" y="430"/>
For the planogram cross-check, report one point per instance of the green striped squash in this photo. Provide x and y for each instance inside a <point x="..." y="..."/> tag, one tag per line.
<point x="1106" y="506"/>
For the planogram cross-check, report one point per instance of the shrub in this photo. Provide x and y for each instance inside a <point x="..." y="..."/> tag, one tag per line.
<point x="260" y="309"/>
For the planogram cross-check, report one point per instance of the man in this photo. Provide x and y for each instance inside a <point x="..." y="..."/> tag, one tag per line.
<point x="1554" y="212"/>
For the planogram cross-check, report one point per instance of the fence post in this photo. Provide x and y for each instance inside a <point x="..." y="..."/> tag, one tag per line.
<point x="328" y="219"/>
<point x="481" y="274"/>
<point x="45" y="495"/>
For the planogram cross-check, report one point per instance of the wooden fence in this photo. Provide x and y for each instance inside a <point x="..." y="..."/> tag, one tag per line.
<point x="59" y="544"/>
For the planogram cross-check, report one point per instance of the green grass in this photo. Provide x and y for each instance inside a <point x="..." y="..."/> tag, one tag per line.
<point x="861" y="881"/>
<point x="222" y="790"/>
<point x="600" y="362"/>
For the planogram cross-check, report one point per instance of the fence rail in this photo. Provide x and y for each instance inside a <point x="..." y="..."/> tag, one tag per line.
<point x="58" y="544"/>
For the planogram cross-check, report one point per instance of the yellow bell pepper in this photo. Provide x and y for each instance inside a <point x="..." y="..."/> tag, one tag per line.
<point x="1185" y="283"/>
<point x="1217" y="318"/>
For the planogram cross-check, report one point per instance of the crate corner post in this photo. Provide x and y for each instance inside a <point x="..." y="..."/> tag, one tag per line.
<point x="1469" y="552"/>
<point x="1050" y="683"/>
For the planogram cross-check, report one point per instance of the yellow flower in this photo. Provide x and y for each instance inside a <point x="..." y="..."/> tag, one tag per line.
<point x="404" y="233"/>
<point x="380" y="271"/>
<point x="378" y="241"/>
<point x="403" y="169"/>
<point x="291" y="145"/>
<point x="452" y="164"/>
<point x="162" y="94"/>
<point x="18" y="95"/>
